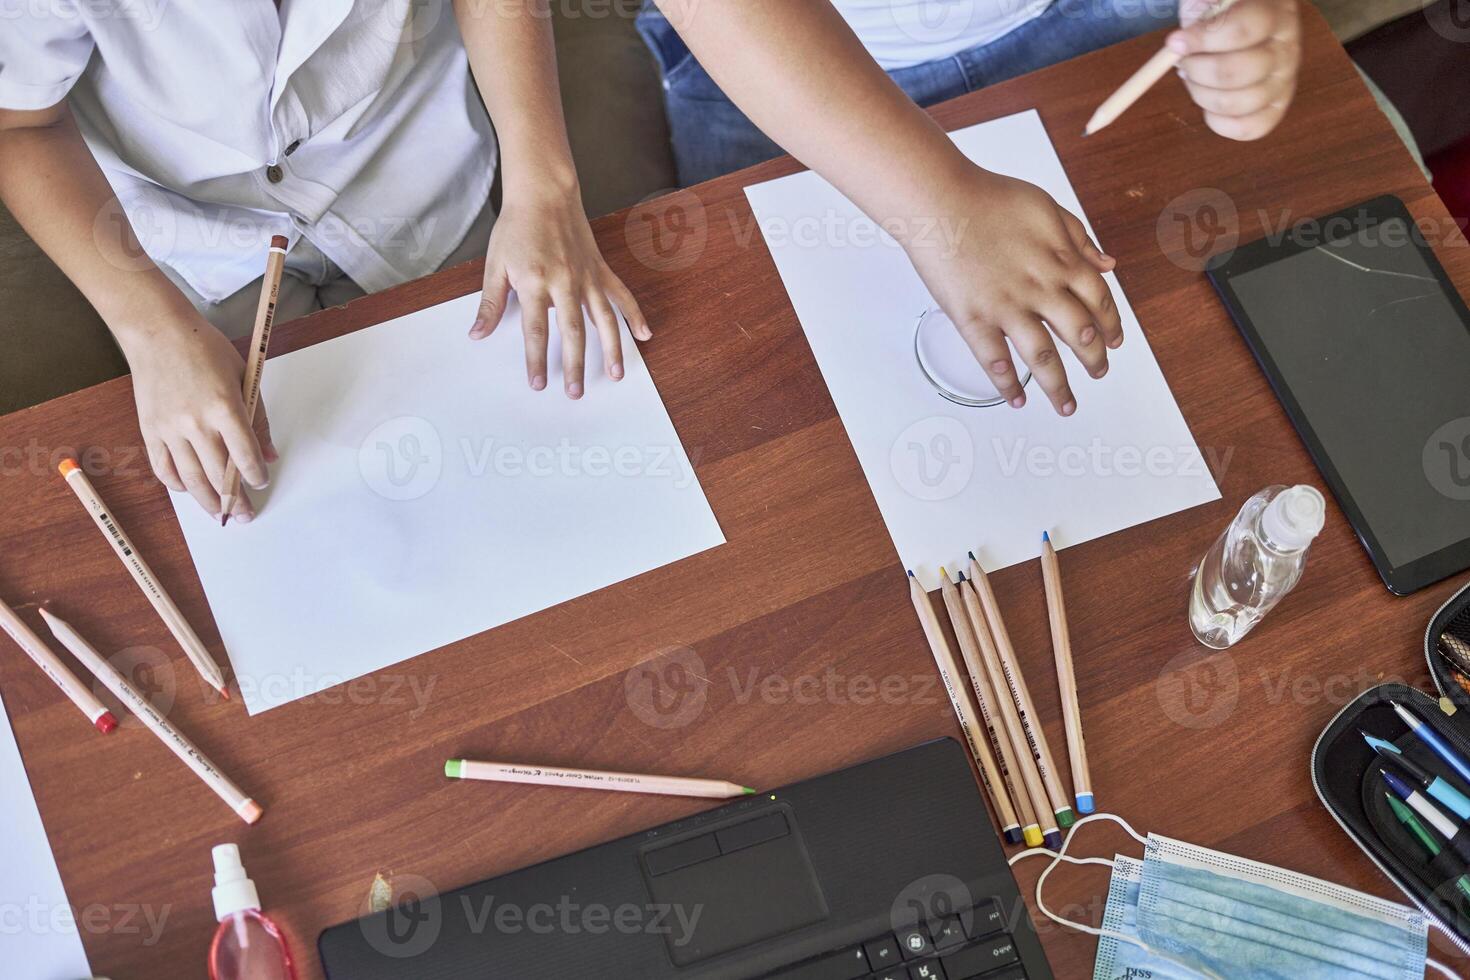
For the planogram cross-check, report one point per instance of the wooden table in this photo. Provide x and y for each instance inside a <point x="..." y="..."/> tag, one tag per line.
<point x="1210" y="748"/>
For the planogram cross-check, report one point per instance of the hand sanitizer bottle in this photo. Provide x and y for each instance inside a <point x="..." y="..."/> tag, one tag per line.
<point x="248" y="946"/>
<point x="1254" y="563"/>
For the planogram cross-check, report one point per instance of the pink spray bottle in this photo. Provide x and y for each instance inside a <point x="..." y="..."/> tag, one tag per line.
<point x="248" y="946"/>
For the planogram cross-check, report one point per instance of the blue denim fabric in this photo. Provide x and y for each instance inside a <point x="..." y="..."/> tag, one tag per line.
<point x="712" y="137"/>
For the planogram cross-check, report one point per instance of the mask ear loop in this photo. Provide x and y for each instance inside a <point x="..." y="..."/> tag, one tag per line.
<point x="1061" y="855"/>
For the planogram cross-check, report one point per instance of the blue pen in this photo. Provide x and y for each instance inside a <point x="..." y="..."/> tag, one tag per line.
<point x="1434" y="785"/>
<point x="1432" y="738"/>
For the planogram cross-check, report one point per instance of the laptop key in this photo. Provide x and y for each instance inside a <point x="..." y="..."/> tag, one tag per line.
<point x="985" y="920"/>
<point x="948" y="933"/>
<point x="894" y="973"/>
<point x="927" y="970"/>
<point x="915" y="942"/>
<point x="849" y="964"/>
<point x="1006" y="973"/>
<point x="972" y="961"/>
<point x="883" y="952"/>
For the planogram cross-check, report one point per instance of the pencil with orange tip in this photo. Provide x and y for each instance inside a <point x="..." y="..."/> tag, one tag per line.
<point x="107" y="522"/>
<point x="260" y="340"/>
<point x="52" y="666"/>
<point x="949" y="675"/>
<point x="247" y="809"/>
<point x="1061" y="644"/>
<point x="1015" y="756"/>
<point x="1025" y="707"/>
<point x="620" y="782"/>
<point x="1165" y="61"/>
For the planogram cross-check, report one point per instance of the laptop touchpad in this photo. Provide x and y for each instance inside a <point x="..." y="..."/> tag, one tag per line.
<point x="732" y="885"/>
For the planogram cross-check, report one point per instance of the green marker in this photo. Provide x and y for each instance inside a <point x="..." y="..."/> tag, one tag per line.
<point x="1426" y="840"/>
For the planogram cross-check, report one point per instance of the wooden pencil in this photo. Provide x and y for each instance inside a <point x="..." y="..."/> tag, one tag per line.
<point x="1006" y="654"/>
<point x="1061" y="644"/>
<point x="621" y="782"/>
<point x="177" y="743"/>
<point x="1140" y="82"/>
<point x="260" y="339"/>
<point x="1015" y="756"/>
<point x="949" y="676"/>
<point x="53" y="667"/>
<point x="127" y="553"/>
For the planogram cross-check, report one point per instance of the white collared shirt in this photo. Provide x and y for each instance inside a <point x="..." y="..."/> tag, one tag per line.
<point x="220" y="123"/>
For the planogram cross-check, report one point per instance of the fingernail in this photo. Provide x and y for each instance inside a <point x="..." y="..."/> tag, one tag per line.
<point x="616" y="371"/>
<point x="1000" y="367"/>
<point x="477" y="329"/>
<point x="1018" y="401"/>
<point x="1099" y="372"/>
<point x="1108" y="258"/>
<point x="1115" y="343"/>
<point x="538" y="382"/>
<point x="1178" y="43"/>
<point x="574" y="390"/>
<point x="1069" y="408"/>
<point x="245" y="517"/>
<point x="1087" y="336"/>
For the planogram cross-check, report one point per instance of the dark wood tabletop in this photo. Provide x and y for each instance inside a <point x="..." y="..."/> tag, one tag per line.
<point x="788" y="624"/>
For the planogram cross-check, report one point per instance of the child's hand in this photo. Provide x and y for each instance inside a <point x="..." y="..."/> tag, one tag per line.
<point x="1241" y="66"/>
<point x="1020" y="259"/>
<point x="544" y="250"/>
<point x="186" y="381"/>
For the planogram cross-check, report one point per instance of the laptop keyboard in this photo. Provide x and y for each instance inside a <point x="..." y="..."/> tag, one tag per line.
<point x="941" y="950"/>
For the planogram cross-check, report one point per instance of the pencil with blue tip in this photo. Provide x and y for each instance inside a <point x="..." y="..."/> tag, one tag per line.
<point x="1061" y="644"/>
<point x="1016" y="766"/>
<point x="1030" y="724"/>
<point x="1434" y="740"/>
<point x="618" y="782"/>
<point x="949" y="676"/>
<point x="1436" y="786"/>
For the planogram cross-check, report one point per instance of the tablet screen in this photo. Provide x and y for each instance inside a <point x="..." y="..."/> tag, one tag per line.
<point x="1378" y="360"/>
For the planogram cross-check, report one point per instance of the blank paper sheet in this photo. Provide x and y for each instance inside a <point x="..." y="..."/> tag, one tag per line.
<point x="425" y="494"/>
<point x="947" y="477"/>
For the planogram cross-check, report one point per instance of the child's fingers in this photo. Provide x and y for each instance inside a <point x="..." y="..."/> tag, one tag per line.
<point x="1034" y="344"/>
<point x="1247" y="23"/>
<point x="570" y="325"/>
<point x="1074" y="323"/>
<point x="989" y="346"/>
<point x="608" y="332"/>
<point x="162" y="462"/>
<point x="1083" y="242"/>
<point x="628" y="303"/>
<point x="492" y="302"/>
<point x="262" y="428"/>
<point x="1231" y="70"/>
<point x="243" y="448"/>
<point x="1094" y="293"/>
<point x="1237" y="102"/>
<point x="191" y="473"/>
<point x="243" y="510"/>
<point x="533" y="325"/>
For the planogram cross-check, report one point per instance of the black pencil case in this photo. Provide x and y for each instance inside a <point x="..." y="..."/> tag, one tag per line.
<point x="1345" y="776"/>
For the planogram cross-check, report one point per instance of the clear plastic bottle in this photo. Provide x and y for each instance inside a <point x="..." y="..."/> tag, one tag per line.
<point x="248" y="946"/>
<point x="1254" y="563"/>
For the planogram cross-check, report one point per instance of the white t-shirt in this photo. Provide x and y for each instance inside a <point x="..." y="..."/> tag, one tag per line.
<point x="352" y="123"/>
<point x="901" y="33"/>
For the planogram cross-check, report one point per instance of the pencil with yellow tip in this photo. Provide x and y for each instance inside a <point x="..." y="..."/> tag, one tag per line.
<point x="1061" y="643"/>
<point x="618" y="782"/>
<point x="246" y="808"/>
<point x="260" y="340"/>
<point x="127" y="553"/>
<point x="53" y="667"/>
<point x="1015" y="757"/>
<point x="1006" y="656"/>
<point x="949" y="675"/>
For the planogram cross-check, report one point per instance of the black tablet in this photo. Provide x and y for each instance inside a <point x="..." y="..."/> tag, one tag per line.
<point x="1367" y="344"/>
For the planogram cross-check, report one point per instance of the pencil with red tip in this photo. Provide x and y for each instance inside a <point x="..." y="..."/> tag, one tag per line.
<point x="260" y="340"/>
<point x="127" y="553"/>
<point x="246" y="808"/>
<point x="52" y="666"/>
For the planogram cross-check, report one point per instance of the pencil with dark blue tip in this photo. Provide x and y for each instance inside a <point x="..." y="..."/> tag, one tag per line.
<point x="1434" y="740"/>
<point x="1411" y="771"/>
<point x="1061" y="645"/>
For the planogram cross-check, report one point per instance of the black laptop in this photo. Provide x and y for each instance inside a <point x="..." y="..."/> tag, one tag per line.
<point x="889" y="870"/>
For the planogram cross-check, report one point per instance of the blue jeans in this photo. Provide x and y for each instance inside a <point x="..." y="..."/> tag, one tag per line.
<point x="712" y="137"/>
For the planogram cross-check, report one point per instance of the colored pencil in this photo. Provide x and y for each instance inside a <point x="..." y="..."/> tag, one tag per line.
<point x="1140" y="82"/>
<point x="1061" y="645"/>
<point x="1006" y="654"/>
<point x="949" y="675"/>
<point x="247" y="809"/>
<point x="260" y="339"/>
<point x="52" y="666"/>
<point x="111" y="529"/>
<point x="998" y="710"/>
<point x="621" y="782"/>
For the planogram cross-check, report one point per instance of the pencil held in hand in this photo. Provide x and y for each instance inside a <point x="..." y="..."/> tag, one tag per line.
<point x="260" y="339"/>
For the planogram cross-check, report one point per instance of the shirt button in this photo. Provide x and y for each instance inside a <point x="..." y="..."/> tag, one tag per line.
<point x="275" y="174"/>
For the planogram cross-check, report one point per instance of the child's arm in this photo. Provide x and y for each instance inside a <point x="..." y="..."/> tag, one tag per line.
<point x="541" y="246"/>
<point x="186" y="375"/>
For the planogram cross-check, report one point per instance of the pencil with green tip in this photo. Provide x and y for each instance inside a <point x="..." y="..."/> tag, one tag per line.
<point x="1426" y="839"/>
<point x="620" y="782"/>
<point x="1006" y="654"/>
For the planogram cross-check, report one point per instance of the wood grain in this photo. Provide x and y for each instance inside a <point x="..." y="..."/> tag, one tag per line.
<point x="787" y="625"/>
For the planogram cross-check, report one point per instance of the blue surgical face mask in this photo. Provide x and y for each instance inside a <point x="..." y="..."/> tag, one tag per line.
<point x="1187" y="912"/>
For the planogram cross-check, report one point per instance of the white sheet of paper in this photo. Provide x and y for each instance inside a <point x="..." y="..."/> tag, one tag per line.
<point x="39" y="938"/>
<point x="425" y="494"/>
<point x="947" y="477"/>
